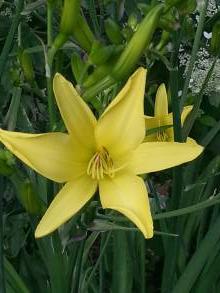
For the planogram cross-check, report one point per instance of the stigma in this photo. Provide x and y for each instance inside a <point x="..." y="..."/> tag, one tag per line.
<point x="100" y="165"/>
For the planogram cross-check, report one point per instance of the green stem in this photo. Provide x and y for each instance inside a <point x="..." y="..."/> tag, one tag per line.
<point x="10" y="37"/>
<point x="169" y="270"/>
<point x="2" y="275"/>
<point x="194" y="52"/>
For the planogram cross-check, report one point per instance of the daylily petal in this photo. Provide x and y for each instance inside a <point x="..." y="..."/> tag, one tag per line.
<point x="121" y="126"/>
<point x="161" y="101"/>
<point x="77" y="116"/>
<point x="71" y="198"/>
<point x="127" y="194"/>
<point x="156" y="156"/>
<point x="49" y="154"/>
<point x="155" y="122"/>
<point x="185" y="113"/>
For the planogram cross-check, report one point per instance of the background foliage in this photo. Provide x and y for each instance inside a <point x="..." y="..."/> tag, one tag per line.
<point x="98" y="251"/>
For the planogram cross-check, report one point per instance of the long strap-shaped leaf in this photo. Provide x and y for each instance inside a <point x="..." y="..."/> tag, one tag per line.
<point x="198" y="260"/>
<point x="13" y="279"/>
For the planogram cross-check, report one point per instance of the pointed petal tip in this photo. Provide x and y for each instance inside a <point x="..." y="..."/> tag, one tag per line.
<point x="141" y="71"/>
<point x="58" y="77"/>
<point x="162" y="87"/>
<point x="146" y="229"/>
<point x="41" y="231"/>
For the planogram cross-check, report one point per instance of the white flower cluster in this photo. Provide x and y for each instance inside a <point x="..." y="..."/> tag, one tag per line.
<point x="212" y="8"/>
<point x="6" y="12"/>
<point x="202" y="65"/>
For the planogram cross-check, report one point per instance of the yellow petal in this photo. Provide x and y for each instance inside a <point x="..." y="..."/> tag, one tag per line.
<point x="121" y="126"/>
<point x="155" y="122"/>
<point x="71" y="198"/>
<point x="127" y="194"/>
<point x="77" y="116"/>
<point x="156" y="156"/>
<point x="161" y="101"/>
<point x="49" y="154"/>
<point x="185" y="113"/>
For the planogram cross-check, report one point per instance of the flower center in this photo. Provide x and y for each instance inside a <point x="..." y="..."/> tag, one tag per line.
<point x="101" y="164"/>
<point x="162" y="136"/>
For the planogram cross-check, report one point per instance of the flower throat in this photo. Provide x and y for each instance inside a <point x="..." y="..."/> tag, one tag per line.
<point x="101" y="164"/>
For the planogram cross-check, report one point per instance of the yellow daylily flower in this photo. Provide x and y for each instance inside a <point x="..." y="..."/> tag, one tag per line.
<point x="162" y="118"/>
<point x="107" y="154"/>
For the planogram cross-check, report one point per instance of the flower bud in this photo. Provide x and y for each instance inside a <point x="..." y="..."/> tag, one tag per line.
<point x="113" y="31"/>
<point x="138" y="43"/>
<point x="100" y="54"/>
<point x="82" y="34"/>
<point x="215" y="41"/>
<point x="26" y="65"/>
<point x="70" y="14"/>
<point x="99" y="73"/>
<point x="77" y="66"/>
<point x="168" y="22"/>
<point x="165" y="37"/>
<point x="7" y="163"/>
<point x="133" y="21"/>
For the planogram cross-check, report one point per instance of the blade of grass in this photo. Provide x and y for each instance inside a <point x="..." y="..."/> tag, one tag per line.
<point x="101" y="253"/>
<point x="14" y="279"/>
<point x="198" y="260"/>
<point x="211" y="134"/>
<point x="191" y="209"/>
<point x="122" y="278"/>
<point x="12" y="114"/>
<point x="10" y="37"/>
<point x="169" y="269"/>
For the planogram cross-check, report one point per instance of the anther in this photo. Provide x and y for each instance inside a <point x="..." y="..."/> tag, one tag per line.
<point x="100" y="164"/>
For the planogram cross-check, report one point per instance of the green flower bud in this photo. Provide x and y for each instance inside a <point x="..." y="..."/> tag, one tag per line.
<point x="82" y="34"/>
<point x="77" y="66"/>
<point x="138" y="43"/>
<point x="127" y="33"/>
<point x="215" y="41"/>
<point x="100" y="54"/>
<point x="98" y="74"/>
<point x="70" y="14"/>
<point x="7" y="163"/>
<point x="165" y="37"/>
<point x="104" y="69"/>
<point x="168" y="22"/>
<point x="113" y="31"/>
<point x="133" y="21"/>
<point x="27" y="65"/>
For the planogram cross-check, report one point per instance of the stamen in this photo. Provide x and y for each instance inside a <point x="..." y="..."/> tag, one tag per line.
<point x="162" y="135"/>
<point x="101" y="164"/>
